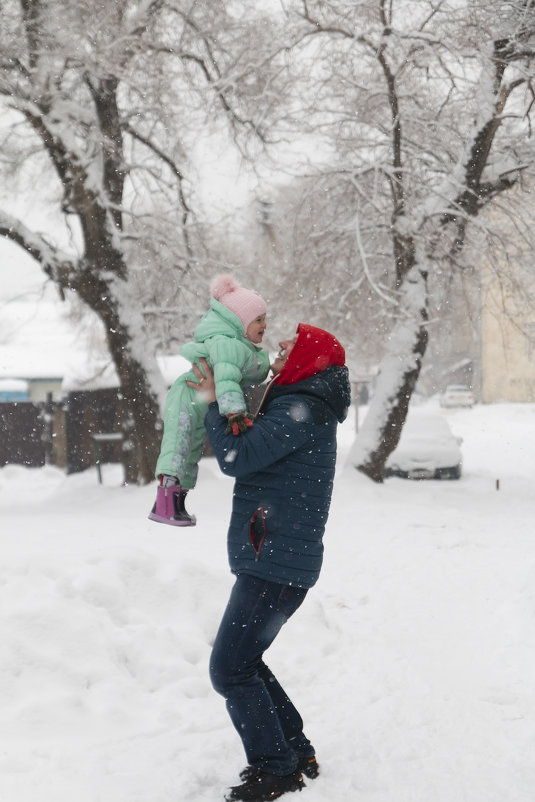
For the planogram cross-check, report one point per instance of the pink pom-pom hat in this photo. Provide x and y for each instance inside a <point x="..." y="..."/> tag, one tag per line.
<point x="247" y="305"/>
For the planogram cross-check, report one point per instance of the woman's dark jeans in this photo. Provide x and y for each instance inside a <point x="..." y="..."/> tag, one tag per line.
<point x="269" y="725"/>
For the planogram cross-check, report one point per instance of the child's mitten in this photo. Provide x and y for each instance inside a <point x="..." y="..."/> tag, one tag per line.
<point x="238" y="423"/>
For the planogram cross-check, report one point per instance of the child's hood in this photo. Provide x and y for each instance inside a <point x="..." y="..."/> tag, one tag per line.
<point x="218" y="320"/>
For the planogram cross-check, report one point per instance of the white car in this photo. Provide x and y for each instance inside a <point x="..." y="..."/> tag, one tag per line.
<point x="457" y="395"/>
<point x="427" y="449"/>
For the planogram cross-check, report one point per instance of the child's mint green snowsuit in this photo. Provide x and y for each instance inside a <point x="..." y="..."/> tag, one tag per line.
<point x="236" y="362"/>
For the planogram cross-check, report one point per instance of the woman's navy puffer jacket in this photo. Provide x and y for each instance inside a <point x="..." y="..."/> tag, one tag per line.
<point x="284" y="468"/>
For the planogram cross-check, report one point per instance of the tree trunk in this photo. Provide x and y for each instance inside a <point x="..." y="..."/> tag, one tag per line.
<point x="141" y="383"/>
<point x="398" y="374"/>
<point x="141" y="426"/>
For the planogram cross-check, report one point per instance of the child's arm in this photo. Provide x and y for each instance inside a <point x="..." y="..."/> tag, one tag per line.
<point x="228" y="357"/>
<point x="237" y="422"/>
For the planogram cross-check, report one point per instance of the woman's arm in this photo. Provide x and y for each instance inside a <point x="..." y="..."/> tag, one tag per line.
<point x="275" y="434"/>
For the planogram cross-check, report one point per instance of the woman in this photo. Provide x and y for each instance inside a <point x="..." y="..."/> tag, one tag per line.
<point x="284" y="467"/>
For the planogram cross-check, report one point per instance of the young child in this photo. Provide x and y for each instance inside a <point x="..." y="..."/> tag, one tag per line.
<point x="228" y="337"/>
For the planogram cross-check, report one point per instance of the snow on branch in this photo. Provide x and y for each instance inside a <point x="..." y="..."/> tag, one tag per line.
<point x="56" y="264"/>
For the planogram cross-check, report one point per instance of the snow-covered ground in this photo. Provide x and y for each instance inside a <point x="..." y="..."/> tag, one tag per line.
<point x="412" y="660"/>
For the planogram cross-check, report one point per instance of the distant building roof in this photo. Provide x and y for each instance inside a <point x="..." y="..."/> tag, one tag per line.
<point x="13" y="386"/>
<point x="41" y="343"/>
<point x="97" y="372"/>
<point x="24" y="362"/>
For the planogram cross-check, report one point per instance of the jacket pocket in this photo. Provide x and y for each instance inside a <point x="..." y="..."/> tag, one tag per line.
<point x="257" y="531"/>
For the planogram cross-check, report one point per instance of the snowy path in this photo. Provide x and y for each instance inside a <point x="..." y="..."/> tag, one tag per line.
<point x="412" y="660"/>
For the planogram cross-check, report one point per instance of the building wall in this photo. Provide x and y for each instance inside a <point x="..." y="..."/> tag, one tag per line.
<point x="507" y="344"/>
<point x="39" y="388"/>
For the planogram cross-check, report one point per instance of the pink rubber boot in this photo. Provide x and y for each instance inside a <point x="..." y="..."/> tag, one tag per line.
<point x="169" y="507"/>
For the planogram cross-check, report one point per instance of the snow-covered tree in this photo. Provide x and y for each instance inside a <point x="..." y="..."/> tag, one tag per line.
<point x="427" y="107"/>
<point x="313" y="254"/>
<point x="102" y="103"/>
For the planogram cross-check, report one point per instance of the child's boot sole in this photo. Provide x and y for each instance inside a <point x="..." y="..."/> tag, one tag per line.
<point x="171" y="521"/>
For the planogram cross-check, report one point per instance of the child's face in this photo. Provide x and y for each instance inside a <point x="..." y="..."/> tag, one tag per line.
<point x="255" y="330"/>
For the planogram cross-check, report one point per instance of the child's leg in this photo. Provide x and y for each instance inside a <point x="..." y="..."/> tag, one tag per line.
<point x="197" y="438"/>
<point x="182" y="445"/>
<point x="183" y="417"/>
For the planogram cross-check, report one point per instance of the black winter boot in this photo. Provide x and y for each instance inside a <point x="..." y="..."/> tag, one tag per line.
<point x="263" y="787"/>
<point x="309" y="766"/>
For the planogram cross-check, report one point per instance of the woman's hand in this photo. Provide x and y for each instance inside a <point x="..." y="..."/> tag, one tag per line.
<point x="206" y="384"/>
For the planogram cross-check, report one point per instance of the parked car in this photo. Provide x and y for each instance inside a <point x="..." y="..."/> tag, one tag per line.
<point x="457" y="395"/>
<point x="427" y="449"/>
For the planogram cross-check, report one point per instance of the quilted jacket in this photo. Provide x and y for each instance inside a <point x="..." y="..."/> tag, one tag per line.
<point x="237" y="363"/>
<point x="284" y="468"/>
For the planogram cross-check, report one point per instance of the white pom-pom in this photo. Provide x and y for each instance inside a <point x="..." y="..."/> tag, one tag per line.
<point x="222" y="284"/>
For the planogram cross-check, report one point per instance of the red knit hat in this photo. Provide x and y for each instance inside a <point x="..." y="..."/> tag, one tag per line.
<point x="314" y="350"/>
<point x="247" y="305"/>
